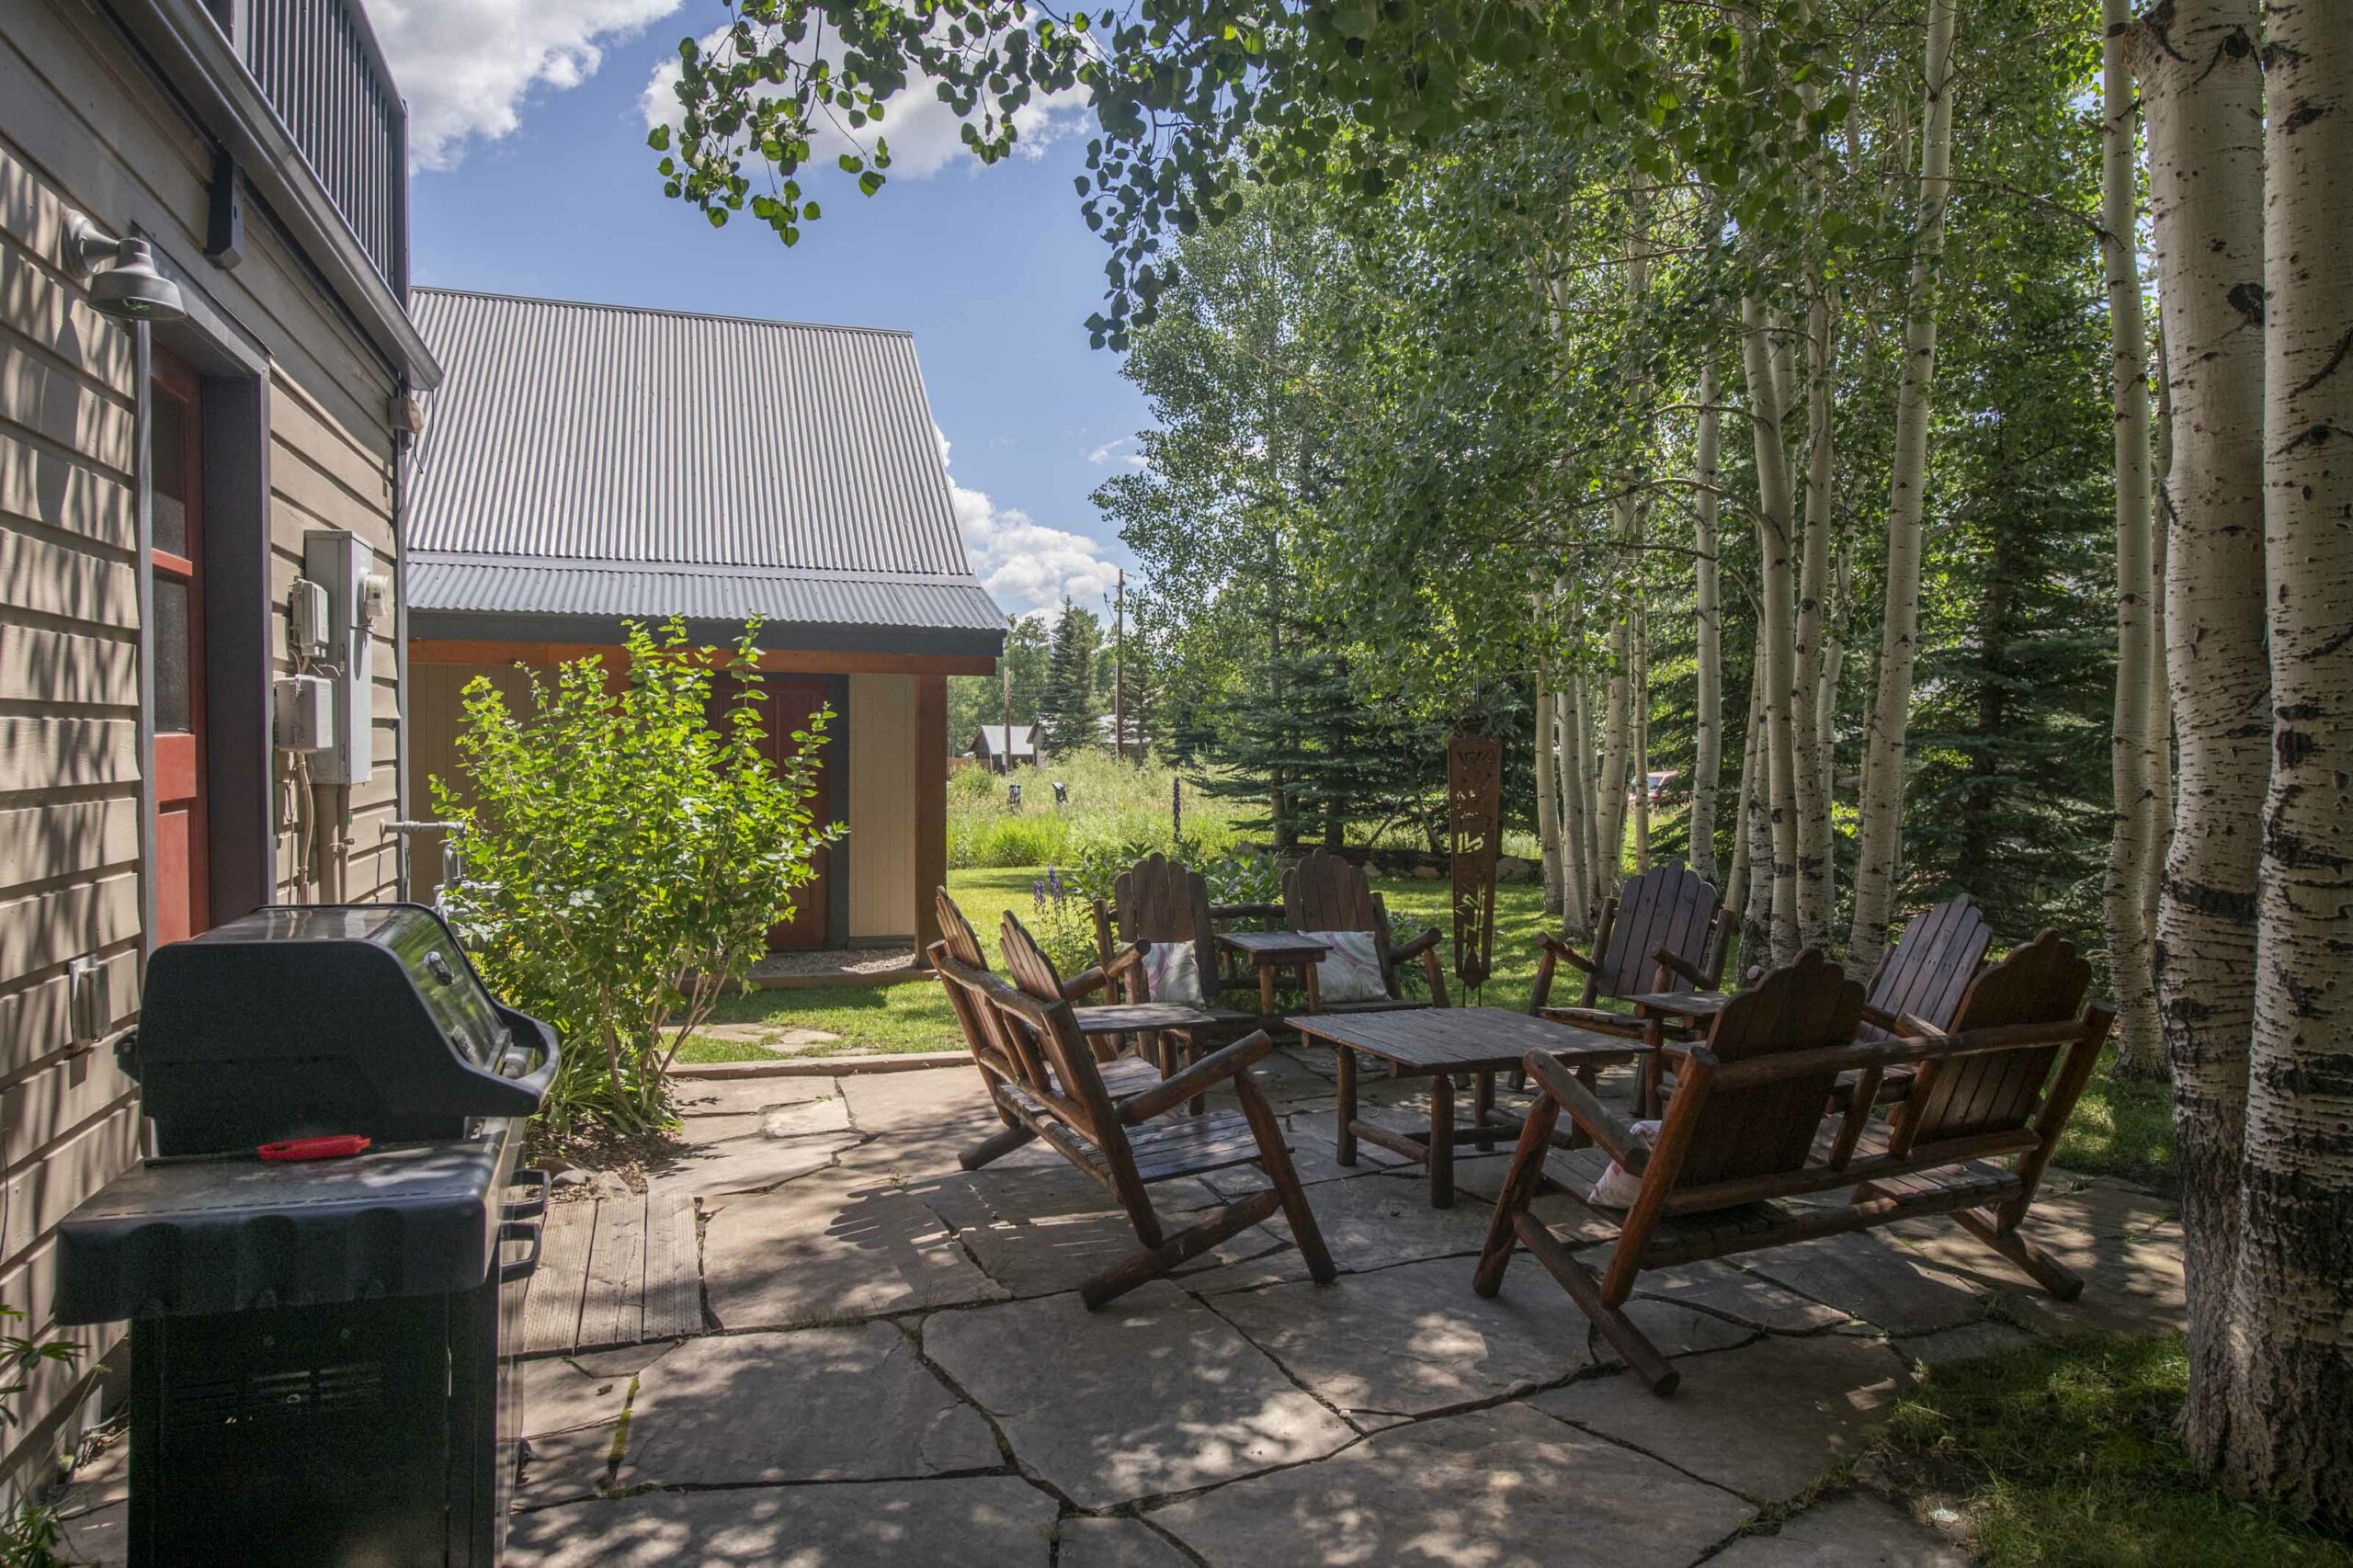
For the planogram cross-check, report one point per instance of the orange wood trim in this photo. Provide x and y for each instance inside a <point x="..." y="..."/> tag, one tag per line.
<point x="931" y="804"/>
<point x="783" y="661"/>
<point x="176" y="565"/>
<point x="176" y="775"/>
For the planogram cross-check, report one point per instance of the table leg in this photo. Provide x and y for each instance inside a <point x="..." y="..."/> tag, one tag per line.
<point x="1441" y="1141"/>
<point x="1483" y="1105"/>
<point x="1344" y="1141"/>
<point x="1314" y="999"/>
<point x="1266" y="990"/>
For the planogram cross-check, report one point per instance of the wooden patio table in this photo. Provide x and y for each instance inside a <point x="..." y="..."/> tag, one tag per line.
<point x="1273" y="952"/>
<point x="1696" y="1008"/>
<point x="1437" y="1043"/>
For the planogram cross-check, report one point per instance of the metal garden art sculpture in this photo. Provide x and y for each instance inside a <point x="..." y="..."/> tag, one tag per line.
<point x="1474" y="794"/>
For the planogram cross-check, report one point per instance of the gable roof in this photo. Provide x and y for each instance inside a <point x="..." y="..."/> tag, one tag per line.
<point x="583" y="462"/>
<point x="993" y="737"/>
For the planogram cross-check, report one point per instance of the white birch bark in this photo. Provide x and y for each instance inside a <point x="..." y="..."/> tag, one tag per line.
<point x="1587" y="768"/>
<point x="1736" y="875"/>
<point x="1708" y="737"/>
<point x="1776" y="609"/>
<point x="1757" y="826"/>
<point x="1640" y="762"/>
<point x="2140" y="1047"/>
<point x="2291" y="1436"/>
<point x="1809" y="788"/>
<point x="1548" y="798"/>
<point x="2201" y="97"/>
<point x="1616" y="746"/>
<point x="1885" y="751"/>
<point x="1576" y="837"/>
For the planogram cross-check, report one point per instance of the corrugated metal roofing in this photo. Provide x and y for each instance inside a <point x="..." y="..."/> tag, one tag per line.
<point x="577" y="456"/>
<point x="489" y="585"/>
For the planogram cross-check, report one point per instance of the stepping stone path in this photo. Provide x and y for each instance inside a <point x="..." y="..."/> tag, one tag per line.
<point x="888" y="1365"/>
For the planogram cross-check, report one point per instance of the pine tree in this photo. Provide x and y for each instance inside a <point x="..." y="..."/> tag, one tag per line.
<point x="1072" y="703"/>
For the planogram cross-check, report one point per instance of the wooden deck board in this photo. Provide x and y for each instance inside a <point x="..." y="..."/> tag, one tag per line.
<point x="551" y="1309"/>
<point x="612" y="1309"/>
<point x="673" y="1264"/>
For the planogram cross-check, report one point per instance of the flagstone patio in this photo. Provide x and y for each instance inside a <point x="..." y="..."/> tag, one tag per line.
<point x="895" y="1369"/>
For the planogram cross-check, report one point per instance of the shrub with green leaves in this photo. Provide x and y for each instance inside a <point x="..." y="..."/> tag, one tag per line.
<point x="628" y="845"/>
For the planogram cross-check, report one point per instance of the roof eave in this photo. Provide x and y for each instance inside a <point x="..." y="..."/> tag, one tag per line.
<point x="512" y="625"/>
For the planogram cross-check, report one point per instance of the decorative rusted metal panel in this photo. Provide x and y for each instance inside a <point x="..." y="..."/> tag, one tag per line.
<point x="1474" y="801"/>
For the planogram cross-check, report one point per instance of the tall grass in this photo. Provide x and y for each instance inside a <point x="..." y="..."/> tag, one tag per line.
<point x="1110" y="804"/>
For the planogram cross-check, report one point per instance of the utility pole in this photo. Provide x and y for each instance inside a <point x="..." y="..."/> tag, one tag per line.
<point x="1120" y="669"/>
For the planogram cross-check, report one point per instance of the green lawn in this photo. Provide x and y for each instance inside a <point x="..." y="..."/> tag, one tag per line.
<point x="2065" y="1455"/>
<point x="2118" y="1128"/>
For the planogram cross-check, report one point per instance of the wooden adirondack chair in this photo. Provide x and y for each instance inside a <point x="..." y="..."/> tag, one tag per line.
<point x="1160" y="900"/>
<point x="1049" y="1083"/>
<point x="1922" y="978"/>
<point x="1665" y="930"/>
<point x="1749" y="1129"/>
<point x="1326" y="892"/>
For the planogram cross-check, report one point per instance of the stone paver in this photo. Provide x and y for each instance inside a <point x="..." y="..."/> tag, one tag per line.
<point x="1873" y="1279"/>
<point x="1674" y="1329"/>
<point x="1504" y="1487"/>
<point x="1732" y="1292"/>
<point x="1853" y="1531"/>
<point x="937" y="1102"/>
<point x="1154" y="1393"/>
<point x="1372" y="1222"/>
<point x="559" y="1396"/>
<point x="831" y="1247"/>
<point x="821" y="1404"/>
<point x="564" y="1467"/>
<point x="982" y="1522"/>
<point x="2123" y="1246"/>
<point x="742" y="1096"/>
<point x="1963" y="1343"/>
<point x="1413" y="1340"/>
<point x="1767" y="1420"/>
<point x="1040" y="1230"/>
<point x="1116" y="1544"/>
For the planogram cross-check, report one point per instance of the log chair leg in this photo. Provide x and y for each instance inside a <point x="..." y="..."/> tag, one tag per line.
<point x="1586" y="1291"/>
<point x="2047" y="1271"/>
<point x="1519" y="1190"/>
<point x="1483" y="1108"/>
<point x="1344" y="1141"/>
<point x="996" y="1145"/>
<point x="1441" y="1141"/>
<point x="1141" y="1268"/>
<point x="1274" y="1157"/>
<point x="1266" y="990"/>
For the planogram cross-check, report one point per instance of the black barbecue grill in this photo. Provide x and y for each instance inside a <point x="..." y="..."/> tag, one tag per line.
<point x="321" y="1368"/>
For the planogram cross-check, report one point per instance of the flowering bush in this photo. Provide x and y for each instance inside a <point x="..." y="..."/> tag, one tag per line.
<point x="1063" y="922"/>
<point x="626" y="852"/>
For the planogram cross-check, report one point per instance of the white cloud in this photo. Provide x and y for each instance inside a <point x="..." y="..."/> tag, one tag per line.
<point x="465" y="66"/>
<point x="1027" y="567"/>
<point x="925" y="135"/>
<point x="1123" y="451"/>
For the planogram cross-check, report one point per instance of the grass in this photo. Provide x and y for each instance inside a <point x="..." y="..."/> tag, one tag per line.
<point x="2064" y="1453"/>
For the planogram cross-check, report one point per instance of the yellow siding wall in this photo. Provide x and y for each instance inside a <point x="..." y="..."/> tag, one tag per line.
<point x="82" y="126"/>
<point x="881" y="848"/>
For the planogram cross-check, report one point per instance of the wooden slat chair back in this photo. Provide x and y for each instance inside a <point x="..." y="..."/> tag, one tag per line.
<point x="1748" y="1130"/>
<point x="1925" y="974"/>
<point x="1325" y="892"/>
<point x="1130" y="1143"/>
<point x="1160" y="900"/>
<point x="1664" y="930"/>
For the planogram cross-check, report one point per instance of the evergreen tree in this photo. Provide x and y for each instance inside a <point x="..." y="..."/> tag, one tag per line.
<point x="975" y="700"/>
<point x="1072" y="703"/>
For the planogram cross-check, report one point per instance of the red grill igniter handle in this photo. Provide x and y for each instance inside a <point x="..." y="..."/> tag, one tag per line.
<point x="330" y="1148"/>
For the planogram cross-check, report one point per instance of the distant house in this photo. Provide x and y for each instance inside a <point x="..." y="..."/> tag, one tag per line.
<point x="991" y="746"/>
<point x="585" y="464"/>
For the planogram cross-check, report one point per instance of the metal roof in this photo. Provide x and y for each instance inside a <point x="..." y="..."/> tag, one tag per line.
<point x="586" y="461"/>
<point x="993" y="736"/>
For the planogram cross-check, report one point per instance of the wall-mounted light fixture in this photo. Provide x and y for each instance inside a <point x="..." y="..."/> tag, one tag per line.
<point x="124" y="283"/>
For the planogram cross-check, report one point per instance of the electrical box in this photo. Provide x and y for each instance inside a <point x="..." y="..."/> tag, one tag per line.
<point x="307" y="633"/>
<point x="301" y="713"/>
<point x="340" y="563"/>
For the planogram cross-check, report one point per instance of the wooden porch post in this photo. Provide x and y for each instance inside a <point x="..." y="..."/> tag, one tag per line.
<point x="931" y="804"/>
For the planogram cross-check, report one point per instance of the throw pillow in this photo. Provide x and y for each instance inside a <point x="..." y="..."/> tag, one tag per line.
<point x="1172" y="974"/>
<point x="1350" y="971"/>
<point x="1618" y="1187"/>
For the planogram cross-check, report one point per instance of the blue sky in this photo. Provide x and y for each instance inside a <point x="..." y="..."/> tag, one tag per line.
<point x="991" y="269"/>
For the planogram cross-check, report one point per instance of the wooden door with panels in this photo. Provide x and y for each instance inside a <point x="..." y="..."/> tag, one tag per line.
<point x="176" y="646"/>
<point x="792" y="701"/>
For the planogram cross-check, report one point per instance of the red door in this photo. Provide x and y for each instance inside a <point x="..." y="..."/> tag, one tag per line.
<point x="792" y="701"/>
<point x="177" y="639"/>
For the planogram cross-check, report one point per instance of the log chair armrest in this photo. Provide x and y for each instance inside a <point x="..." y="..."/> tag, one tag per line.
<point x="1613" y="1131"/>
<point x="1917" y="1027"/>
<point x="1672" y="962"/>
<point x="1221" y="911"/>
<point x="1102" y="932"/>
<point x="1422" y="944"/>
<point x="1085" y="983"/>
<point x="1202" y="1076"/>
<point x="1127" y="958"/>
<point x="1599" y="1022"/>
<point x="1434" y="971"/>
<point x="1881" y="1018"/>
<point x="1565" y="953"/>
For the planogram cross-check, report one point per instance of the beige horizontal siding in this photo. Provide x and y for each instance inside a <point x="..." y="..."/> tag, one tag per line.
<point x="881" y="845"/>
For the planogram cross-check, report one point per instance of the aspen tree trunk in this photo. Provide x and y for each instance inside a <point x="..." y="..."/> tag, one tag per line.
<point x="1736" y="878"/>
<point x="1756" y="826"/>
<point x="1707" y="736"/>
<point x="1587" y="764"/>
<point x="1810" y="785"/>
<point x="1826" y="706"/>
<point x="2161" y="791"/>
<point x="1576" y="837"/>
<point x="1776" y="612"/>
<point x="1642" y="737"/>
<point x="2201" y="97"/>
<point x="1548" y="798"/>
<point x="1616" y="746"/>
<point x="2141" y="1049"/>
<point x="1885" y="751"/>
<point x="2291" y="1437"/>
